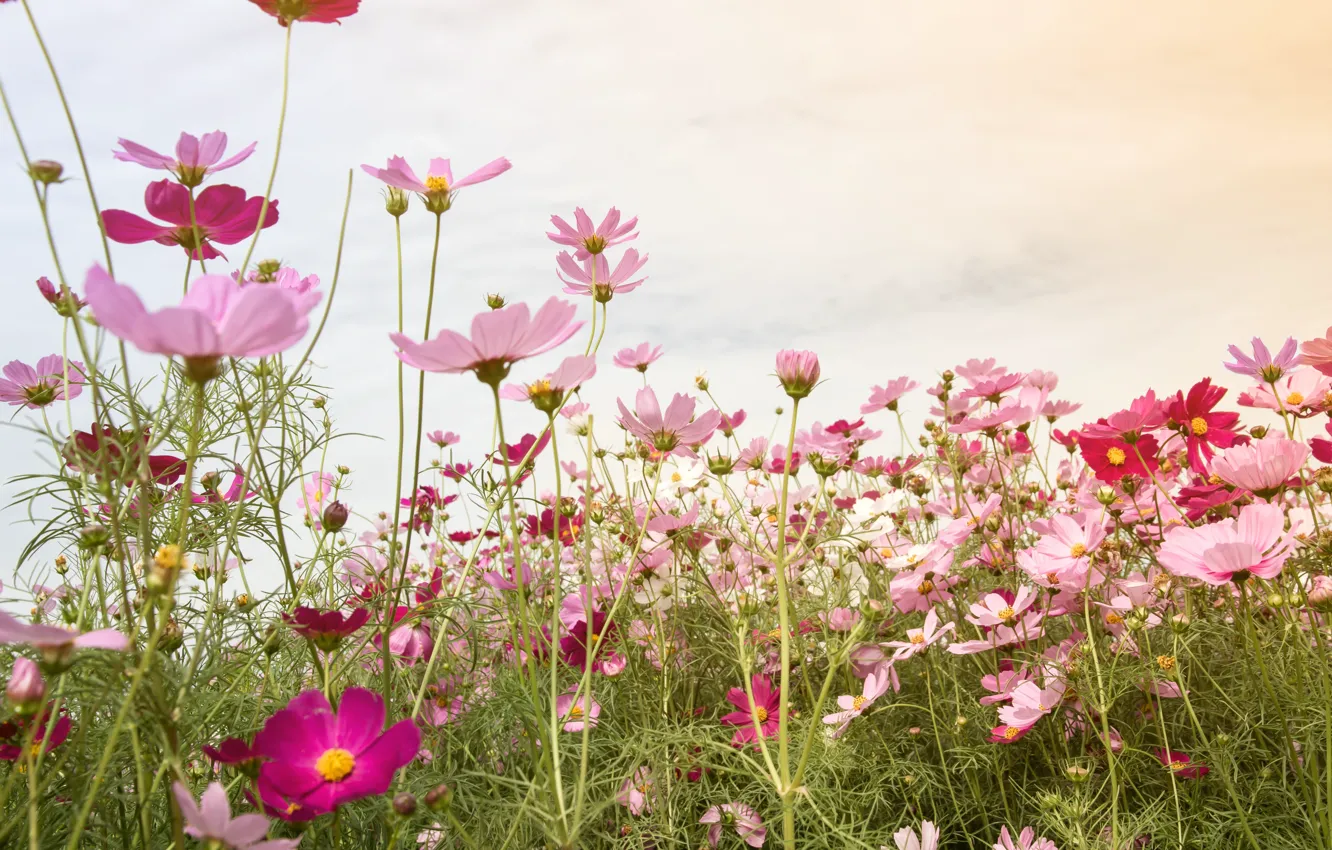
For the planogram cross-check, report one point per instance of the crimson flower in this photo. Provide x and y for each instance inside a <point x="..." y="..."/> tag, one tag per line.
<point x="763" y="712"/>
<point x="1183" y="766"/>
<point x="1111" y="458"/>
<point x="309" y="11"/>
<point x="325" y="629"/>
<point x="222" y="213"/>
<point x="1204" y="428"/>
<point x="583" y="641"/>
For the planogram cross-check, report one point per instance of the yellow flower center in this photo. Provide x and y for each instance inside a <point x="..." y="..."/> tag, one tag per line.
<point x="1052" y="577"/>
<point x="1165" y="662"/>
<point x="1198" y="426"/>
<point x="541" y="387"/>
<point x="335" y="764"/>
<point x="761" y="713"/>
<point x="1178" y="765"/>
<point x="575" y="711"/>
<point x="1010" y="733"/>
<point x="676" y="478"/>
<point x="1214" y="479"/>
<point x="1115" y="456"/>
<point x="775" y="634"/>
<point x="1007" y="614"/>
<point x="292" y="808"/>
<point x="168" y="557"/>
<point x="925" y="586"/>
<point x="437" y="183"/>
<point x="1078" y="550"/>
<point x="918" y="638"/>
<point x="1295" y="398"/>
<point x="593" y="638"/>
<point x="858" y="703"/>
<point x="1113" y="619"/>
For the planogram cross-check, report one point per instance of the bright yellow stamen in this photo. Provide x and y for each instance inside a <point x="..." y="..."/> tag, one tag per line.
<point x="1295" y="399"/>
<point x="541" y="387"/>
<point x="1115" y="456"/>
<point x="1113" y="619"/>
<point x="1010" y="733"/>
<point x="1165" y="662"/>
<point x="437" y="183"/>
<point x="292" y="807"/>
<point x="676" y="478"/>
<point x="858" y="703"/>
<point x="1178" y="765"/>
<point x="593" y="638"/>
<point x="168" y="557"/>
<point x="761" y="713"/>
<point x="335" y="764"/>
<point x="1006" y="614"/>
<point x="1078" y="550"/>
<point x="1198" y="426"/>
<point x="925" y="587"/>
<point x="775" y="634"/>
<point x="918" y="638"/>
<point x="575" y="711"/>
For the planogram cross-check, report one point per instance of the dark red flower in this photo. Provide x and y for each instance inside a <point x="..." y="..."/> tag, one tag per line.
<point x="113" y="450"/>
<point x="325" y="628"/>
<point x="1180" y="764"/>
<point x="309" y="11"/>
<point x="575" y="647"/>
<point x="1111" y="458"/>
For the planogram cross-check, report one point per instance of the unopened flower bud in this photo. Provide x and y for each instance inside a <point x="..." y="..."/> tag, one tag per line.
<point x="46" y="171"/>
<point x="26" y="688"/>
<point x="93" y="537"/>
<point x="1106" y="495"/>
<point x="319" y="402"/>
<point x="1319" y="596"/>
<point x="701" y="381"/>
<point x="404" y="804"/>
<point x="720" y="464"/>
<point x="798" y="372"/>
<point x="495" y="301"/>
<point x="948" y="375"/>
<point x="439" y="797"/>
<point x="1258" y="432"/>
<point x="1179" y="624"/>
<point x="266" y="271"/>
<point x="396" y="201"/>
<point x="173" y="638"/>
<point x="335" y="516"/>
<point x="61" y="564"/>
<point x="344" y="470"/>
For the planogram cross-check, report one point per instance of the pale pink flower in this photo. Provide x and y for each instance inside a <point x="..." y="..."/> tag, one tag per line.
<point x="35" y="387"/>
<point x="1262" y="466"/>
<point x="594" y="275"/>
<point x="906" y="838"/>
<point x="798" y="371"/>
<point x="211" y="822"/>
<point x="639" y="357"/>
<point x="748" y="825"/>
<point x="57" y="644"/>
<point x="876" y="685"/>
<point x="588" y="240"/>
<point x="887" y="396"/>
<point x="438" y="188"/>
<point x="195" y="158"/>
<point x="637" y="793"/>
<point x="576" y="714"/>
<point x="1026" y="841"/>
<point x="918" y="640"/>
<point x="1030" y="702"/>
<point x="671" y="431"/>
<point x="995" y="610"/>
<point x="1262" y="365"/>
<point x="572" y="373"/>
<point x="1230" y="550"/>
<point x="1294" y="392"/>
<point x="499" y="339"/>
<point x="1317" y="353"/>
<point x="1071" y="539"/>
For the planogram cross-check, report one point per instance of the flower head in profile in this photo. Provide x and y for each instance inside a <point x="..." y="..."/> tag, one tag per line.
<point x="1317" y="353"/>
<point x="919" y="640"/>
<point x="1255" y="543"/>
<point x="443" y="439"/>
<point x="222" y="214"/>
<point x="309" y="11"/>
<point x="217" y="318"/>
<point x="548" y="393"/>
<point x="906" y="838"/>
<point x="499" y="339"/>
<point x="196" y="157"/>
<point x="595" y="277"/>
<point x="1262" y="466"/>
<point x="587" y="240"/>
<point x="1181" y="764"/>
<point x="746" y="822"/>
<point x="639" y="358"/>
<point x="438" y="188"/>
<point x="324" y="758"/>
<point x="325" y="629"/>
<point x="1262" y="366"/>
<point x="211" y="822"/>
<point x="887" y="396"/>
<point x="37" y="386"/>
<point x="56" y="644"/>
<point x="798" y="371"/>
<point x="64" y="300"/>
<point x="1026" y="840"/>
<point x="671" y="431"/>
<point x="762" y="713"/>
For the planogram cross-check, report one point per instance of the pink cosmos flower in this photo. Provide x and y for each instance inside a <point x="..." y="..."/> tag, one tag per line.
<point x="1317" y="353"/>
<point x="211" y="822"/>
<point x="637" y="793"/>
<point x="577" y="714"/>
<point x="1294" y="392"/>
<point x="876" y="685"/>
<point x="1181" y="764"/>
<point x="57" y="644"/>
<point x="995" y="610"/>
<point x="1262" y="366"/>
<point x="439" y="187"/>
<point x="594" y="276"/>
<point x="1026" y="841"/>
<point x="443" y="439"/>
<point x="11" y="750"/>
<point x="887" y="396"/>
<point x="1262" y="466"/>
<point x="762" y="713"/>
<point x="222" y="213"/>
<point x="1069" y="539"/>
<point x="798" y="372"/>
<point x="672" y="431"/>
<point x="640" y="357"/>
<point x="918" y="640"/>
<point x="731" y="421"/>
<point x="26" y="687"/>
<point x="499" y="339"/>
<point x="310" y="11"/>
<point x="748" y="825"/>
<point x="36" y="387"/>
<point x="548" y="392"/>
<point x="195" y="158"/>
<point x="906" y="839"/>
<point x="324" y="758"/>
<point x="1030" y="702"/>
<point x="1230" y="550"/>
<point x="588" y="240"/>
<point x="284" y="276"/>
<point x="217" y="318"/>
<point x="325" y="629"/>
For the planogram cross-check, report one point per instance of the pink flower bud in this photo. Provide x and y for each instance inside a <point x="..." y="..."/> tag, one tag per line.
<point x="798" y="371"/>
<point x="26" y="689"/>
<point x="1320" y="593"/>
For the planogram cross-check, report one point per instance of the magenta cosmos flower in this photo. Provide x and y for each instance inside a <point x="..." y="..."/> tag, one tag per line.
<point x="438" y="188"/>
<point x="195" y="158"/>
<point x="747" y="823"/>
<point x="211" y="822"/>
<point x="34" y="387"/>
<point x="217" y="318"/>
<point x="499" y="339"/>
<point x="222" y="213"/>
<point x="672" y="431"/>
<point x="763" y="713"/>
<point x="310" y="11"/>
<point x="594" y="275"/>
<point x="1230" y="550"/>
<point x="587" y="240"/>
<point x="325" y="629"/>
<point x="639" y="358"/>
<point x="798" y="371"/>
<point x="323" y="758"/>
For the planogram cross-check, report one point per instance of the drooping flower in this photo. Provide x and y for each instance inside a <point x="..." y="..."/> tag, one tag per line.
<point x="196" y="157"/>
<point x="595" y="277"/>
<point x="309" y="11"/>
<point x="499" y="339"/>
<point x="639" y="357"/>
<point x="747" y="823"/>
<point x="217" y="318"/>
<point x="588" y="240"/>
<point x="798" y="372"/>
<point x="763" y="713"/>
<point x="1232" y="549"/>
<point x="906" y="838"/>
<point x="326" y="758"/>
<point x="211" y="822"/>
<point x="438" y="189"/>
<point x="37" y="386"/>
<point x="118" y="452"/>
<point x="672" y="431"/>
<point x="1262" y="366"/>
<point x="1263" y="466"/>
<point x="222" y="214"/>
<point x="887" y="396"/>
<point x="65" y="301"/>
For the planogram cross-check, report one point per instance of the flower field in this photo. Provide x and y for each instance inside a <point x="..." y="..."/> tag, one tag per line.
<point x="663" y="624"/>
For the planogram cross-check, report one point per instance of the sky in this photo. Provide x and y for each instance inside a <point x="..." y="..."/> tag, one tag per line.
<point x="1109" y="191"/>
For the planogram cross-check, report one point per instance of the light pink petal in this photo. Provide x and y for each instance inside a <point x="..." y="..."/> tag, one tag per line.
<point x="103" y="639"/>
<point x="497" y="333"/>
<point x="262" y="321"/>
<point x="237" y="159"/>
<point x="449" y="351"/>
<point x="648" y="409"/>
<point x="439" y="167"/>
<point x="116" y="306"/>
<point x="140" y="155"/>
<point x="211" y="295"/>
<point x="573" y="372"/>
<point x="486" y="172"/>
<point x="187" y="150"/>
